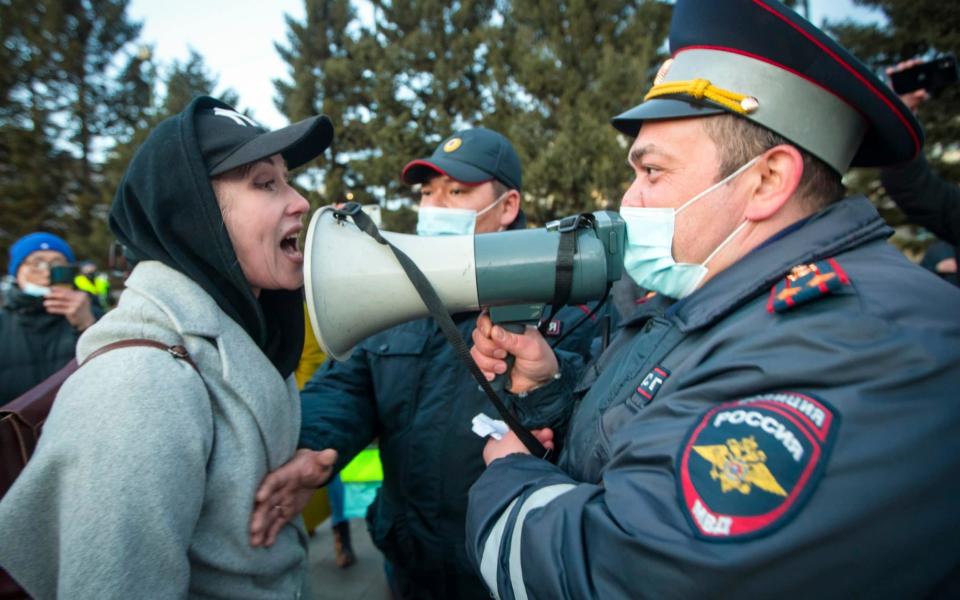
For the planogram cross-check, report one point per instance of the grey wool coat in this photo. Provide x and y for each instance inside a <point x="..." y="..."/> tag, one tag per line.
<point x="142" y="485"/>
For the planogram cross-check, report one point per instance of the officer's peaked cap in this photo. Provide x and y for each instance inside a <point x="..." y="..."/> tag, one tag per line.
<point x="762" y="61"/>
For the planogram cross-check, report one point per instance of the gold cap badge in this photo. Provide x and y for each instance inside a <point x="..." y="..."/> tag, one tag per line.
<point x="452" y="144"/>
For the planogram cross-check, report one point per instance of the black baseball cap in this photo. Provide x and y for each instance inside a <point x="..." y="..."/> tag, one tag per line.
<point x="471" y="156"/>
<point x="229" y="139"/>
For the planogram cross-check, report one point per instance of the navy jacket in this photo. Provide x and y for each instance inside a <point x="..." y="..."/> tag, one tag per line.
<point x="33" y="344"/>
<point x="407" y="387"/>
<point x="780" y="432"/>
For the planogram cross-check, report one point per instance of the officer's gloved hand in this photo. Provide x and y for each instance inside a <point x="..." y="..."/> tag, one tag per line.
<point x="535" y="365"/>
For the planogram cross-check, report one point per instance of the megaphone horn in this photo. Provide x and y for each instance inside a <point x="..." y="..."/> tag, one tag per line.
<point x="355" y="287"/>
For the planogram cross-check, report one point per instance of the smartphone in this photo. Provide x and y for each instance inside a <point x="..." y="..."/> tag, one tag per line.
<point x="933" y="76"/>
<point x="63" y="275"/>
<point x="117" y="261"/>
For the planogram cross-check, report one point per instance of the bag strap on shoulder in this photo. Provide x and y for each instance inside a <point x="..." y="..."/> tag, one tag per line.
<point x="33" y="405"/>
<point x="177" y="351"/>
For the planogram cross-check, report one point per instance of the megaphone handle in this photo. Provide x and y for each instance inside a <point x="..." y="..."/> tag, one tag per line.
<point x="499" y="382"/>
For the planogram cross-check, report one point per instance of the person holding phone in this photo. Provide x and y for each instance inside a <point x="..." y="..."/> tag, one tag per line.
<point x="925" y="198"/>
<point x="42" y="315"/>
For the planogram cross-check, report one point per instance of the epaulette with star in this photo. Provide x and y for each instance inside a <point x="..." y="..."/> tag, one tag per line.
<point x="806" y="283"/>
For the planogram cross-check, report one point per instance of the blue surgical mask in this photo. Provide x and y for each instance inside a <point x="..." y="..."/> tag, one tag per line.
<point x="435" y="220"/>
<point x="37" y="291"/>
<point x="648" y="257"/>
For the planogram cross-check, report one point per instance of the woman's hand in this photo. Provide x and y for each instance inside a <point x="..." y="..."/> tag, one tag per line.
<point x="286" y="491"/>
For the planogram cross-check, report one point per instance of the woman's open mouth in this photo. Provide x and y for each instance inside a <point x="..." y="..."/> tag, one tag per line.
<point x="290" y="246"/>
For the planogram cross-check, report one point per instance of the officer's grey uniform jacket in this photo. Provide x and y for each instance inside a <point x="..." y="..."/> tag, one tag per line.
<point x="407" y="387"/>
<point x="143" y="482"/>
<point x="739" y="445"/>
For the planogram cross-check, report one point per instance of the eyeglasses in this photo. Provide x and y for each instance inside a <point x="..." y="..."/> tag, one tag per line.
<point x="44" y="265"/>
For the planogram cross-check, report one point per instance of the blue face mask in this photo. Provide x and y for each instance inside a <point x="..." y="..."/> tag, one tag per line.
<point x="434" y="220"/>
<point x="648" y="257"/>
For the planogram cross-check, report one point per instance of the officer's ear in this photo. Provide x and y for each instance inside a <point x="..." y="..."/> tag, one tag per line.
<point x="776" y="177"/>
<point x="511" y="207"/>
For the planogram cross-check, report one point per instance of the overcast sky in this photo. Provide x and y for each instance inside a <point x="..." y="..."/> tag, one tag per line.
<point x="236" y="40"/>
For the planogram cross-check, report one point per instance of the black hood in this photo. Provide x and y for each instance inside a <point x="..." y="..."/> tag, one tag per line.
<point x="165" y="210"/>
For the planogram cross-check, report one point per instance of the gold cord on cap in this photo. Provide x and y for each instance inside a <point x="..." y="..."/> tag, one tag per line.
<point x="698" y="89"/>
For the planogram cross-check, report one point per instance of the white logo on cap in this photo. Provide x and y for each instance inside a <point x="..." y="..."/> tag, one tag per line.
<point x="238" y="118"/>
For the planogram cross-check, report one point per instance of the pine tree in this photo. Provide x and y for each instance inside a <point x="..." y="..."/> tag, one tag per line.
<point x="428" y="75"/>
<point x="393" y="89"/>
<point x="326" y="79"/>
<point x="76" y="101"/>
<point x="31" y="198"/>
<point x="92" y="34"/>
<point x="186" y="80"/>
<point x="59" y="110"/>
<point x="563" y="69"/>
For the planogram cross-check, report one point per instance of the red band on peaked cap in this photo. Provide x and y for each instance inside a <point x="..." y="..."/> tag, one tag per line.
<point x="873" y="90"/>
<point x="424" y="163"/>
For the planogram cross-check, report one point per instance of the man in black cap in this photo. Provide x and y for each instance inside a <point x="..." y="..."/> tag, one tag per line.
<point x="789" y="424"/>
<point x="407" y="387"/>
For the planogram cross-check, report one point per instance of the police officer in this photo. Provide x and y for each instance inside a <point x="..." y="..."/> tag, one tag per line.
<point x="790" y="425"/>
<point x="407" y="387"/>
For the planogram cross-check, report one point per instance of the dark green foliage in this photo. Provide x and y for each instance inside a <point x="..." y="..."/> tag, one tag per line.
<point x="427" y="74"/>
<point x="547" y="74"/>
<point x="325" y="77"/>
<point x="564" y="69"/>
<point x="403" y="219"/>
<point x="184" y="81"/>
<point x="77" y="96"/>
<point x="60" y="98"/>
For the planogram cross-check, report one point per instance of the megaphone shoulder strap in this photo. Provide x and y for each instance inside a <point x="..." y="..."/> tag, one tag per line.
<point x="447" y="326"/>
<point x="563" y="284"/>
<point x="566" y="249"/>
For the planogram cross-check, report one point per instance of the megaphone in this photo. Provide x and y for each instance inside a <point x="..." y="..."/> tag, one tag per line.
<point x="355" y="287"/>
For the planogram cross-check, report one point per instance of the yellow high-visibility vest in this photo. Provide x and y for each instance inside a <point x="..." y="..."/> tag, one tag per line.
<point x="83" y="283"/>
